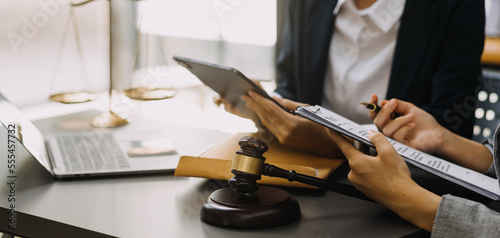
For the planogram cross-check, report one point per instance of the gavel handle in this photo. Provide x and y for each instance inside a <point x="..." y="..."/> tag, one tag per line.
<point x="349" y="190"/>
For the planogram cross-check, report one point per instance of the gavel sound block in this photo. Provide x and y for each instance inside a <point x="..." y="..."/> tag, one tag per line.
<point x="244" y="204"/>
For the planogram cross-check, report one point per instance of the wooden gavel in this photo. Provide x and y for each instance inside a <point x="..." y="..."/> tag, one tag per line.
<point x="249" y="164"/>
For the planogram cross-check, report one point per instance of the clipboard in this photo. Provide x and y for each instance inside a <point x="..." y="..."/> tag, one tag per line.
<point x="467" y="178"/>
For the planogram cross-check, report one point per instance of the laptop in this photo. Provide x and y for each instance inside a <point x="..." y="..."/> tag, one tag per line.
<point x="85" y="153"/>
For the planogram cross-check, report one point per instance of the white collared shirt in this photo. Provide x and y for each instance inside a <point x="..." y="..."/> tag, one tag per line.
<point x="361" y="54"/>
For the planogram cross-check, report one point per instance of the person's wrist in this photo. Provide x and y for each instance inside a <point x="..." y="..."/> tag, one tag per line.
<point x="398" y="200"/>
<point x="416" y="205"/>
<point x="449" y="141"/>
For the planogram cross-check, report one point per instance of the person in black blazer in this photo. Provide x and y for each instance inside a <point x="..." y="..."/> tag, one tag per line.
<point x="436" y="63"/>
<point x="436" y="66"/>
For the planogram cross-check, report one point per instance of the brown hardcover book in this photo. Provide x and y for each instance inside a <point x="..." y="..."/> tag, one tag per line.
<point x="215" y="163"/>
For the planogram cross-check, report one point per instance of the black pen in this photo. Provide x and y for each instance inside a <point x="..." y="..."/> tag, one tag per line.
<point x="371" y="106"/>
<point x="376" y="108"/>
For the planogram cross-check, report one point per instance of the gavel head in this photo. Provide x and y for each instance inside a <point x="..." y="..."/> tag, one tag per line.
<point x="247" y="165"/>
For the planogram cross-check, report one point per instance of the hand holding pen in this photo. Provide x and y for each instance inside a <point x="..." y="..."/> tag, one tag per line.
<point x="387" y="114"/>
<point x="376" y="108"/>
<point x="396" y="119"/>
<point x="412" y="126"/>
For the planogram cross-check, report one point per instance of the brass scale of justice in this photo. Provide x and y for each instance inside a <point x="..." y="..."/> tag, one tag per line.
<point x="142" y="93"/>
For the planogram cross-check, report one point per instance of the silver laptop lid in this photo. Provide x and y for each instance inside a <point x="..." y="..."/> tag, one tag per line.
<point x="26" y="133"/>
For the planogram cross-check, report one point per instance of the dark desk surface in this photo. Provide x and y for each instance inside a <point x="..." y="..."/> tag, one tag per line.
<point x="166" y="206"/>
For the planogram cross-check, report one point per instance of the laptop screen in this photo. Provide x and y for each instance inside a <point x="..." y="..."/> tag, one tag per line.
<point x="27" y="134"/>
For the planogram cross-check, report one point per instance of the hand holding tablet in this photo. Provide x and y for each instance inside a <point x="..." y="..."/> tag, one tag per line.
<point x="228" y="82"/>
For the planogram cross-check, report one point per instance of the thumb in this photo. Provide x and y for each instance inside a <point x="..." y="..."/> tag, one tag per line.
<point x="347" y="148"/>
<point x="381" y="143"/>
<point x="289" y="104"/>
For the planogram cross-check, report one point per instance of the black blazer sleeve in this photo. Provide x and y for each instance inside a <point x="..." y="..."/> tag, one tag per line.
<point x="284" y="68"/>
<point x="302" y="60"/>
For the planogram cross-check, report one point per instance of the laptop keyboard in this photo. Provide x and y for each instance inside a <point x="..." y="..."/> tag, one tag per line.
<point x="91" y="151"/>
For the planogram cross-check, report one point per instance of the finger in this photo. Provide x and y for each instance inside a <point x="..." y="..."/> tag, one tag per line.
<point x="218" y="100"/>
<point x="344" y="145"/>
<point x="289" y="104"/>
<point x="382" y="145"/>
<point x="402" y="134"/>
<point x="403" y="107"/>
<point x="383" y="117"/>
<point x="268" y="118"/>
<point x="265" y="115"/>
<point x="229" y="108"/>
<point x="397" y="124"/>
<point x="255" y="106"/>
<point x="266" y="104"/>
<point x="374" y="100"/>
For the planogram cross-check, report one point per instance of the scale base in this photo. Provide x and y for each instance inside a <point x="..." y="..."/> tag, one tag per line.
<point x="268" y="207"/>
<point x="108" y="119"/>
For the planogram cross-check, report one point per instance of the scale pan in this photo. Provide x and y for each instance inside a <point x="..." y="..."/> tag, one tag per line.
<point x="147" y="94"/>
<point x="73" y="97"/>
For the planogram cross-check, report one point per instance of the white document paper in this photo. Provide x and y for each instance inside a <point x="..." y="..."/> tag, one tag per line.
<point x="467" y="178"/>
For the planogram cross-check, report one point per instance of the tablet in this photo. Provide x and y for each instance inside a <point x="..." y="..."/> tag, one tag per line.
<point x="228" y="82"/>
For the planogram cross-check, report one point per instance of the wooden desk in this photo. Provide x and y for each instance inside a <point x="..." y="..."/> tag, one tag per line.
<point x="491" y="53"/>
